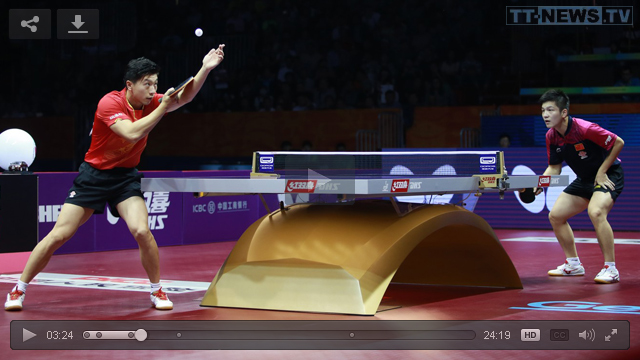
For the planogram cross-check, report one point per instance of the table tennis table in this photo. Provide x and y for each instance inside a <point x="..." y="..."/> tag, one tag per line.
<point x="308" y="256"/>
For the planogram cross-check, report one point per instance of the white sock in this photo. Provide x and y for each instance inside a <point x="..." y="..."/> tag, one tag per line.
<point x="611" y="264"/>
<point x="22" y="286"/>
<point x="155" y="287"/>
<point x="573" y="261"/>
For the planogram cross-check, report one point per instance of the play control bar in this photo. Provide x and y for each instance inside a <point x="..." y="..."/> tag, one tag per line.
<point x="321" y="335"/>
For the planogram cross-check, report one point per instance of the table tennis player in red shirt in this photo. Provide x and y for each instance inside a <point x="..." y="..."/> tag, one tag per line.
<point x="121" y="125"/>
<point x="592" y="153"/>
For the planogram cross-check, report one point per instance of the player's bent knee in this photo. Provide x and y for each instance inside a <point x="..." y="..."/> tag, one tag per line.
<point x="555" y="219"/>
<point x="141" y="234"/>
<point x="596" y="214"/>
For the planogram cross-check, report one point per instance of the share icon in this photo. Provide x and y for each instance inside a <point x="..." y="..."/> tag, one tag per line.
<point x="33" y="28"/>
<point x="29" y="24"/>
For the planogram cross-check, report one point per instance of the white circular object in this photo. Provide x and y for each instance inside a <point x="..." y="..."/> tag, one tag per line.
<point x="198" y="32"/>
<point x="16" y="145"/>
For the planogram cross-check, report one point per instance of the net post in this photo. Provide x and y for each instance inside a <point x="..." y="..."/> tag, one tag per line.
<point x="255" y="172"/>
<point x="495" y="180"/>
<point x="253" y="162"/>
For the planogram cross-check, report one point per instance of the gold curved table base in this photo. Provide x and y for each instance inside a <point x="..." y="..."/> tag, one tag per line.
<point x="341" y="259"/>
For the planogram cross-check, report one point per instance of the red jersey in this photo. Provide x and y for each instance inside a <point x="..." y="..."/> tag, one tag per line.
<point x="108" y="150"/>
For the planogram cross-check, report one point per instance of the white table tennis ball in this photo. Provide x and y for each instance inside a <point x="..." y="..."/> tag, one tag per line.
<point x="198" y="32"/>
<point x="16" y="145"/>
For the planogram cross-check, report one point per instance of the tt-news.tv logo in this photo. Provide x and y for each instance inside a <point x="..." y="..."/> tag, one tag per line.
<point x="569" y="15"/>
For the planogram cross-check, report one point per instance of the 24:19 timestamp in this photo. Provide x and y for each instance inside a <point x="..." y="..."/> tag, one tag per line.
<point x="497" y="335"/>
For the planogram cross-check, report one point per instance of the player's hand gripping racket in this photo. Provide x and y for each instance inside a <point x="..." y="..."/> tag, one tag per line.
<point x="179" y="88"/>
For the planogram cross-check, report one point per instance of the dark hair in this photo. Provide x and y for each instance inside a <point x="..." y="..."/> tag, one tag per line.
<point x="558" y="96"/>
<point x="139" y="68"/>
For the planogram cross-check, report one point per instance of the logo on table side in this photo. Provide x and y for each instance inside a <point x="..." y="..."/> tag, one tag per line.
<point x="300" y="186"/>
<point x="544" y="181"/>
<point x="400" y="185"/>
<point x="328" y="186"/>
<point x="489" y="180"/>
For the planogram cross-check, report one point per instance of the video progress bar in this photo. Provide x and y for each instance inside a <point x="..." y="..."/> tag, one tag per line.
<point x="320" y="335"/>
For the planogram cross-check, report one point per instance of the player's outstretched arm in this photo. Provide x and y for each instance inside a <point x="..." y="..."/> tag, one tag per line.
<point x="209" y="62"/>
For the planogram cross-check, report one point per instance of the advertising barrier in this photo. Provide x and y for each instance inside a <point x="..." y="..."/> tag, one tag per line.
<point x="174" y="218"/>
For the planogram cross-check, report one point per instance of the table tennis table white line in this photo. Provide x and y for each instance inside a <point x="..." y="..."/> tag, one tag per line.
<point x="358" y="187"/>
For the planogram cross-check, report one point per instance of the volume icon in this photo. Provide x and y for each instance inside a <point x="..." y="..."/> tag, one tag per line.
<point x="588" y="335"/>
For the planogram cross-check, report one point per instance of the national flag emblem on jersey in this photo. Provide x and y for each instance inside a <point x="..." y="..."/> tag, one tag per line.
<point x="579" y="146"/>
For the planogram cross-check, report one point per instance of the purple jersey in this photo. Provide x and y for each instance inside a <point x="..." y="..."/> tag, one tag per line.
<point x="583" y="147"/>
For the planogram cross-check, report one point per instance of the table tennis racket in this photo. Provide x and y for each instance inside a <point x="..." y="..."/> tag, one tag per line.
<point x="527" y="195"/>
<point x="179" y="88"/>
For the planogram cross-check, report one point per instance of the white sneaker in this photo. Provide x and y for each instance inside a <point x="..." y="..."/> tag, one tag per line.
<point x="608" y="275"/>
<point x="567" y="270"/>
<point x="14" y="300"/>
<point x="161" y="301"/>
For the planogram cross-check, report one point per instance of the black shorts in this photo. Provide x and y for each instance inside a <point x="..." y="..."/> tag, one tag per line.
<point x="585" y="189"/>
<point x="93" y="188"/>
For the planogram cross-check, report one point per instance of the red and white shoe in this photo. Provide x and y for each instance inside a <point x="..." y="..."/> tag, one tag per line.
<point x="567" y="270"/>
<point x="607" y="275"/>
<point x="160" y="300"/>
<point x="14" y="300"/>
